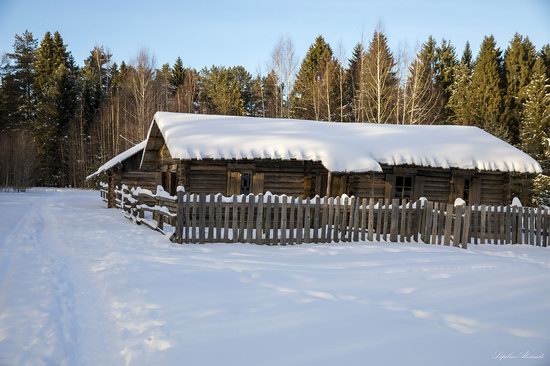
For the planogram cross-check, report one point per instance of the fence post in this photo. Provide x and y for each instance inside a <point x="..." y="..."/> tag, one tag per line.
<point x="179" y="218"/>
<point x="448" y="224"/>
<point x="458" y="225"/>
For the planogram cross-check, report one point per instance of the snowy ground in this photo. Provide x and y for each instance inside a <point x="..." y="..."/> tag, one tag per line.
<point x="81" y="285"/>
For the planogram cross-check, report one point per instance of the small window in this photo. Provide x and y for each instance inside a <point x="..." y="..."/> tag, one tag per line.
<point x="403" y="187"/>
<point x="246" y="183"/>
<point x="467" y="188"/>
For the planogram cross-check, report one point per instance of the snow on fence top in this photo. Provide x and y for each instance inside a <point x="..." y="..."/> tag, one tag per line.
<point x="341" y="147"/>
<point x="119" y="158"/>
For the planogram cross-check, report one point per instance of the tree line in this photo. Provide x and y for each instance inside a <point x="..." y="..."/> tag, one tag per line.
<point x="60" y="121"/>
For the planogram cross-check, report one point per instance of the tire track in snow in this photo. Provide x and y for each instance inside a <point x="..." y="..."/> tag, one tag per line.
<point x="41" y="308"/>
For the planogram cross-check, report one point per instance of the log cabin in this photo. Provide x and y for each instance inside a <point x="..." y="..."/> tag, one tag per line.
<point x="242" y="155"/>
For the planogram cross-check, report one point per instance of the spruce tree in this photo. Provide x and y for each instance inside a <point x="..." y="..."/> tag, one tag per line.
<point x="518" y="64"/>
<point x="459" y="99"/>
<point x="422" y="97"/>
<point x="56" y="107"/>
<point x="445" y="65"/>
<point x="315" y="94"/>
<point x="486" y="90"/>
<point x="20" y="69"/>
<point x="467" y="56"/>
<point x="379" y="89"/>
<point x="535" y="123"/>
<point x="545" y="55"/>
<point x="353" y="81"/>
<point x="178" y="74"/>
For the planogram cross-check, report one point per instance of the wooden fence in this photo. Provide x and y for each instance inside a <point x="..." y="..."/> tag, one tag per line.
<point x="281" y="220"/>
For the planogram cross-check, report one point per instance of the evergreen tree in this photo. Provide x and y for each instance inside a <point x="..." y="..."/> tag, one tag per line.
<point x="315" y="94"/>
<point x="545" y="55"/>
<point x="178" y="74"/>
<point x="56" y="89"/>
<point x="422" y="96"/>
<point x="485" y="92"/>
<point x="445" y="65"/>
<point x="467" y="56"/>
<point x="20" y="69"/>
<point x="353" y="82"/>
<point x="535" y="123"/>
<point x="226" y="91"/>
<point x="459" y="100"/>
<point x="518" y="64"/>
<point x="379" y="90"/>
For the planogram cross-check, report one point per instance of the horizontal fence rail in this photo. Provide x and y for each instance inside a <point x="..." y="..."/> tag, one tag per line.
<point x="281" y="220"/>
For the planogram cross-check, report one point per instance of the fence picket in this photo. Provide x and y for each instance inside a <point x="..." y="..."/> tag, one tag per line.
<point x="235" y="221"/>
<point x="324" y="218"/>
<point x="394" y="223"/>
<point x="307" y="221"/>
<point x="299" y="221"/>
<point x="291" y="221"/>
<point x="403" y="222"/>
<point x="276" y="211"/>
<point x="226" y="223"/>
<point x="356" y="219"/>
<point x="211" y="217"/>
<point x="267" y="221"/>
<point x="465" y="228"/>
<point x="330" y="220"/>
<point x="435" y="220"/>
<point x="379" y="220"/>
<point x="336" y="231"/>
<point x="219" y="210"/>
<point x="202" y="217"/>
<point x="283" y="220"/>
<point x="370" y="226"/>
<point x="260" y="219"/>
<point x="351" y="218"/>
<point x="386" y="226"/>
<point x="343" y="226"/>
<point x="316" y="208"/>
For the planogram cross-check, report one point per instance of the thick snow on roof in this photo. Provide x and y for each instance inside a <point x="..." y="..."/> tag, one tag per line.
<point x="341" y="147"/>
<point x="119" y="158"/>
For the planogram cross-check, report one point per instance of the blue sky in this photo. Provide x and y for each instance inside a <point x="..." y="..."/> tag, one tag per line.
<point x="206" y="32"/>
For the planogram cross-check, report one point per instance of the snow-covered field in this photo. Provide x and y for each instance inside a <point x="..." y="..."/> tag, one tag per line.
<point x="81" y="285"/>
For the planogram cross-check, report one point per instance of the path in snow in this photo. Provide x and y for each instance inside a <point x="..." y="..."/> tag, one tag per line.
<point x="81" y="285"/>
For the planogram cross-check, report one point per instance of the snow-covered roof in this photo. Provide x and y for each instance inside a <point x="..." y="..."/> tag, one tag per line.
<point x="341" y="147"/>
<point x="119" y="158"/>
